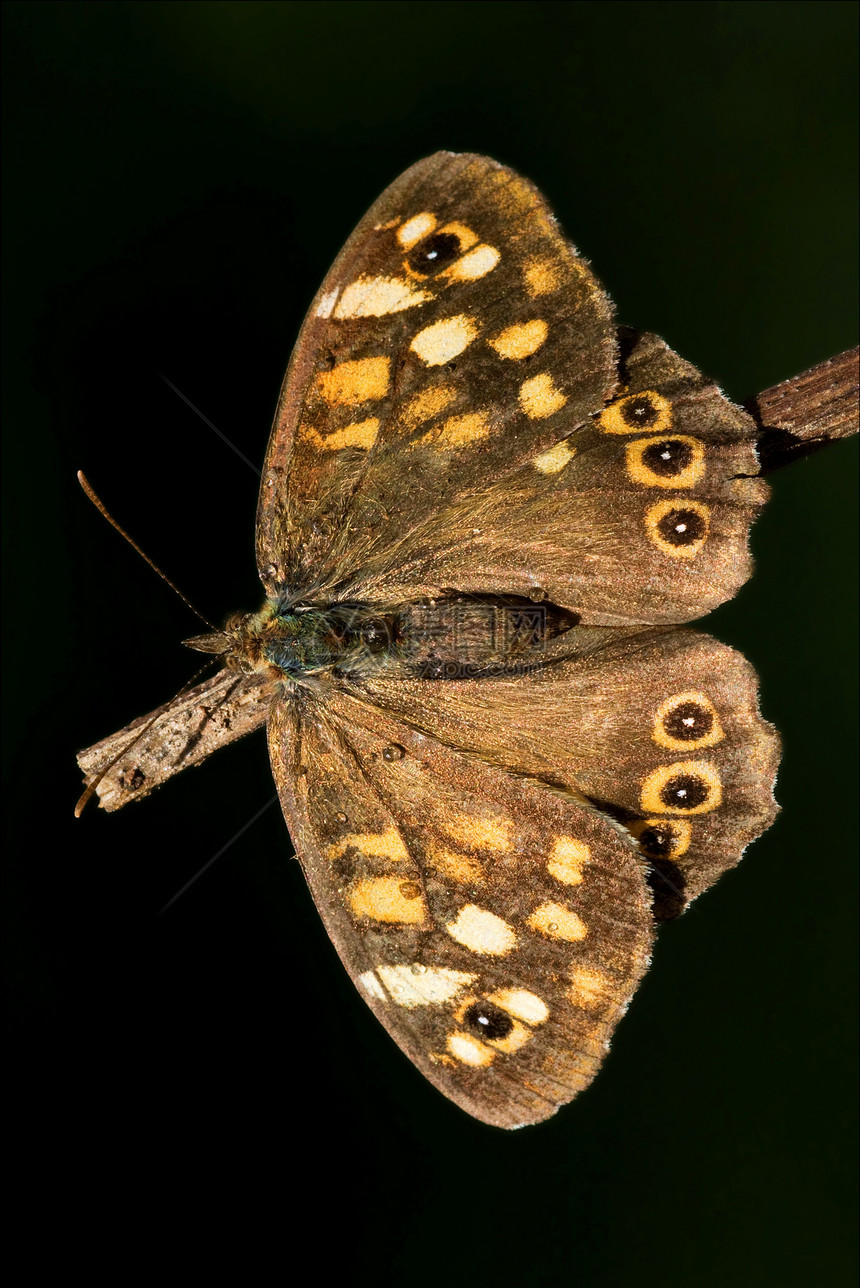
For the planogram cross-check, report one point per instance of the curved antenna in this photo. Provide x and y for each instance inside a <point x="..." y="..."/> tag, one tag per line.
<point x="122" y="532"/>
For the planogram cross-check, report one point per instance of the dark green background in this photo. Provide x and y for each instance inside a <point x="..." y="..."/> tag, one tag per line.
<point x="178" y="178"/>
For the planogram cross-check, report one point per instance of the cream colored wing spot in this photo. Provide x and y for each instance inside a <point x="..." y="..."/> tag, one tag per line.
<point x="428" y="403"/>
<point x="677" y="461"/>
<point x="567" y="859"/>
<point x="476" y="263"/>
<point x="460" y="431"/>
<point x="555" y="459"/>
<point x="410" y="233"/>
<point x="590" y="987"/>
<point x="357" y="381"/>
<point x="383" y="899"/>
<point x="482" y="931"/>
<point x="686" y="787"/>
<point x="444" y="340"/>
<point x="419" y="985"/>
<point x="469" y="1050"/>
<point x="374" y="845"/>
<point x="370" y="985"/>
<point x="635" y="413"/>
<point x="521" y="340"/>
<point x="686" y="722"/>
<point x="540" y="398"/>
<point x="522" y="1004"/>
<point x="557" y="922"/>
<point x="541" y="277"/>
<point x="375" y="297"/>
<point x="464" y="869"/>
<point x="363" y="434"/>
<point x="678" y="527"/>
<point x="326" y="304"/>
<point x="478" y="833"/>
<point x="662" y="838"/>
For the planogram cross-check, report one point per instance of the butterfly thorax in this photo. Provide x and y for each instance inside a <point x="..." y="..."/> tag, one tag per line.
<point x="287" y="642"/>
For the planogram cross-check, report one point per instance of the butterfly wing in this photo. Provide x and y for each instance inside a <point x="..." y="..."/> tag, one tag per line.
<point x="406" y="388"/>
<point x="460" y="413"/>
<point x="497" y="930"/>
<point x="660" y="730"/>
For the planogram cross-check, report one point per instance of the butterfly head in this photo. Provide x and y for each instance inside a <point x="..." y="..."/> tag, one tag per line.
<point x="243" y="642"/>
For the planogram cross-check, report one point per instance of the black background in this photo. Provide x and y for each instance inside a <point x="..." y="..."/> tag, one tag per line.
<point x="178" y="178"/>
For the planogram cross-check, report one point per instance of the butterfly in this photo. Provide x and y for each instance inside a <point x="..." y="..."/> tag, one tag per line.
<point x="486" y="514"/>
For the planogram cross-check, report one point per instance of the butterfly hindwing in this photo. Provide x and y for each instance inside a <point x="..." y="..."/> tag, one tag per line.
<point x="497" y="930"/>
<point x="660" y="730"/>
<point x="639" y="515"/>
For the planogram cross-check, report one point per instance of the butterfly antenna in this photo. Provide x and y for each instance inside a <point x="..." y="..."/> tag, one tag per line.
<point x="94" y="785"/>
<point x="154" y="566"/>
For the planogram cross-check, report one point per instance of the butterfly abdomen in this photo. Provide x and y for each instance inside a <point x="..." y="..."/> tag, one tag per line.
<point x="457" y="637"/>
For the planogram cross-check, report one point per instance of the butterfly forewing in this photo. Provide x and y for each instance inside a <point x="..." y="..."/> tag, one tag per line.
<point x="457" y="335"/>
<point x="497" y="929"/>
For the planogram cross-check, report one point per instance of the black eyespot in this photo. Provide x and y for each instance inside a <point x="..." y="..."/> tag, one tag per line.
<point x="688" y="722"/>
<point x="393" y="752"/>
<point x="667" y="459"/>
<point x="488" y="1021"/>
<point x="639" y="412"/>
<point x="682" y="527"/>
<point x="685" y="791"/>
<point x="657" y="842"/>
<point x="434" y="253"/>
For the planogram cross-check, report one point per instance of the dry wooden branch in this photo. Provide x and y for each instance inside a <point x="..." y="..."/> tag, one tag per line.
<point x="803" y="414"/>
<point x="190" y="728"/>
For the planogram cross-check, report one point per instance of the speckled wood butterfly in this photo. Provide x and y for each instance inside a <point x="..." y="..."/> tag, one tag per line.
<point x="486" y="513"/>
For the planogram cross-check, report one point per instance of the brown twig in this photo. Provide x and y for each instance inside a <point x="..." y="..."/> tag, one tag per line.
<point x="805" y="413"/>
